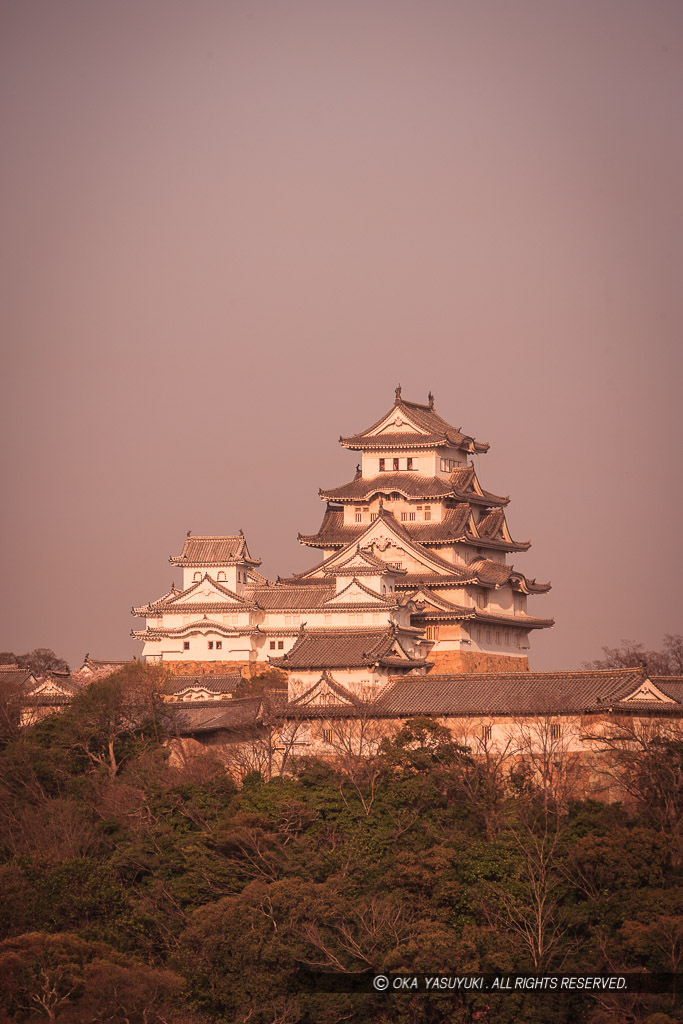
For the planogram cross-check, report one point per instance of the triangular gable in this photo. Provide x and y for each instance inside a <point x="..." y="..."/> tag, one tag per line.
<point x="397" y="650"/>
<point x="397" y="421"/>
<point x="49" y="688"/>
<point x="424" y="597"/>
<point x="205" y="590"/>
<point x="381" y="535"/>
<point x="356" y="593"/>
<point x="647" y="691"/>
<point x="363" y="561"/>
<point x="326" y="691"/>
<point x="195" y="692"/>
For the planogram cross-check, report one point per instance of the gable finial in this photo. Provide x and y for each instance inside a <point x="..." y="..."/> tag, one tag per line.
<point x="398" y="394"/>
<point x="189" y="533"/>
<point x="430" y="399"/>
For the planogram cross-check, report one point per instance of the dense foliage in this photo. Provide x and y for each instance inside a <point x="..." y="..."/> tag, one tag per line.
<point x="136" y="890"/>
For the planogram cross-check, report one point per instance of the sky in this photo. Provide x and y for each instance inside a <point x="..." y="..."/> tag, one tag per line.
<point x="228" y="230"/>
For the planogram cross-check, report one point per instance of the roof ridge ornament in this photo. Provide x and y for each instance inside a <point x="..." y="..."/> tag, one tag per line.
<point x="398" y="395"/>
<point x="430" y="399"/>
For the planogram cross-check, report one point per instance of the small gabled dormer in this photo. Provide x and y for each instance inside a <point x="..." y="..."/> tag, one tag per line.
<point x="223" y="559"/>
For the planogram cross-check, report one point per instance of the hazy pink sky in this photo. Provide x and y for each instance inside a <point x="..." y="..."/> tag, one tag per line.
<point x="230" y="229"/>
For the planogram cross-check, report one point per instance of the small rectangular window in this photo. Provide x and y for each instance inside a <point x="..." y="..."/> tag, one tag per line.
<point x="412" y="517"/>
<point x="486" y="733"/>
<point x="428" y="513"/>
<point x="210" y="645"/>
<point x="186" y="645"/>
<point x="359" y="518"/>
<point x="219" y="645"/>
<point x="395" y="465"/>
<point x="327" y="735"/>
<point x="410" y="463"/>
<point x="373" y="516"/>
<point x="280" y="645"/>
<point x="382" y="463"/>
<point x="272" y="645"/>
<point x="443" y="466"/>
<point x="404" y="516"/>
<point x="555" y="732"/>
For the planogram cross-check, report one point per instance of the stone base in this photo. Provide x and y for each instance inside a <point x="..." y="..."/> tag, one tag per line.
<point x="212" y="668"/>
<point x="475" y="661"/>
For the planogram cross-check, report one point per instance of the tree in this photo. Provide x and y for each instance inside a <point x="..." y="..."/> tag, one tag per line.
<point x="39" y="661"/>
<point x="63" y="977"/>
<point x="667" y="662"/>
<point x="110" y="716"/>
<point x="643" y="759"/>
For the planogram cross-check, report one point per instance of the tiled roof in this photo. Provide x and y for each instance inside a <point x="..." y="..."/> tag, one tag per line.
<point x="672" y="686"/>
<point x="454" y="526"/>
<point x="203" y="626"/>
<point x="214" y="551"/>
<point x="413" y="485"/>
<point x="245" y="712"/>
<point x="432" y="430"/>
<point x="342" y="648"/>
<point x="14" y="674"/>
<point x="234" y="714"/>
<point x="213" y="683"/>
<point x="519" y="693"/>
<point x="176" y="600"/>
<point x="283" y="597"/>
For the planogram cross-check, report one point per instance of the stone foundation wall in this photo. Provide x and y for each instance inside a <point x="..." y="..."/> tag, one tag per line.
<point x="212" y="668"/>
<point x="475" y="661"/>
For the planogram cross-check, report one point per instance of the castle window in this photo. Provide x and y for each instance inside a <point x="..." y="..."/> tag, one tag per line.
<point x="411" y="516"/>
<point x="197" y="577"/>
<point x="219" y="645"/>
<point x="272" y="645"/>
<point x="327" y="735"/>
<point x="186" y="645"/>
<point x="428" y="513"/>
<point x="410" y="464"/>
<point x="221" y="577"/>
<point x="210" y="645"/>
<point x="497" y="636"/>
<point x="404" y="516"/>
<point x="486" y="733"/>
<point x="432" y="632"/>
<point x="373" y="516"/>
<point x="280" y="645"/>
<point x="382" y="464"/>
<point x="555" y="732"/>
<point x="395" y="465"/>
<point x="359" y="516"/>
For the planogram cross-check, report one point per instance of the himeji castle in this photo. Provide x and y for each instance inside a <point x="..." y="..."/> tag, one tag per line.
<point x="413" y="576"/>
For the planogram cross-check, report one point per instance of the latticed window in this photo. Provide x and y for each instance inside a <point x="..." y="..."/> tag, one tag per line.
<point x="432" y="632"/>
<point x="486" y="733"/>
<point x="382" y="465"/>
<point x="555" y="731"/>
<point x="428" y="513"/>
<point x="327" y="735"/>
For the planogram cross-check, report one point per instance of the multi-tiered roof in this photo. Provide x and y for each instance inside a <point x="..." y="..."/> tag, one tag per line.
<point x="417" y="496"/>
